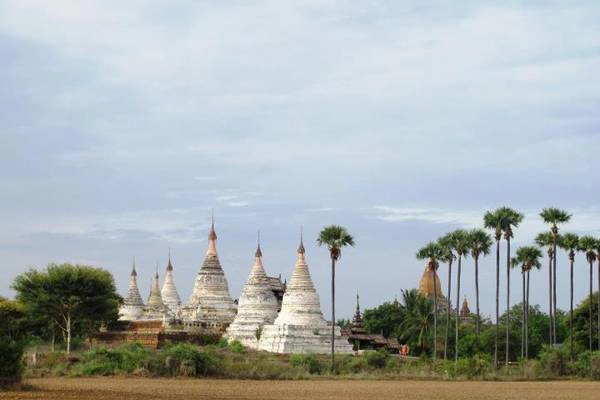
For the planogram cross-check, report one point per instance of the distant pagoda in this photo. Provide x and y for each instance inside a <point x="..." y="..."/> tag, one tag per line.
<point x="257" y="306"/>
<point x="155" y="308"/>
<point x="300" y="326"/>
<point x="210" y="302"/>
<point x="430" y="285"/>
<point x="133" y="305"/>
<point x="169" y="291"/>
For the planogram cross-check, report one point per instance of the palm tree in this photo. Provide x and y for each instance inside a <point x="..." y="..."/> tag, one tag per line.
<point x="545" y="239"/>
<point x="495" y="220"/>
<point x="570" y="243"/>
<point x="335" y="237"/>
<point x="480" y="243"/>
<point x="598" y="258"/>
<point x="511" y="219"/>
<point x="554" y="216"/>
<point x="588" y="245"/>
<point x="432" y="252"/>
<point x="460" y="244"/>
<point x="448" y="257"/>
<point x="528" y="257"/>
<point x="416" y="321"/>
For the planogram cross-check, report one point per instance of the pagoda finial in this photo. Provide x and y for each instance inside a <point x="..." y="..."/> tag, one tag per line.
<point x="301" y="249"/>
<point x="156" y="276"/>
<point x="169" y="265"/>
<point x="258" y="253"/>
<point x="357" y="302"/>
<point x="133" y="271"/>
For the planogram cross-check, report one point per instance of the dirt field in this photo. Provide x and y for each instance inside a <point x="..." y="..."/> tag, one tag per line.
<point x="140" y="388"/>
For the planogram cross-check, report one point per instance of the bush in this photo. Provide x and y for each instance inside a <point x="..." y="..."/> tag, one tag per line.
<point x="188" y="360"/>
<point x="553" y="362"/>
<point x="307" y="361"/>
<point x="588" y="365"/>
<point x="377" y="359"/>
<point x="11" y="366"/>
<point x="237" y="347"/>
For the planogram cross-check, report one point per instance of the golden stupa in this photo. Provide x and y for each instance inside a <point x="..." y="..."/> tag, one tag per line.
<point x="429" y="278"/>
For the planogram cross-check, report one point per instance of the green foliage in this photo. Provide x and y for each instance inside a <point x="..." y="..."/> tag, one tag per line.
<point x="13" y="325"/>
<point x="309" y="362"/>
<point x="384" y="319"/>
<point x="555" y="216"/>
<point x="237" y="347"/>
<point x="335" y="237"/>
<point x="431" y="251"/>
<point x="377" y="359"/>
<point x="188" y="360"/>
<point x="581" y="323"/>
<point x="588" y="365"/>
<point x="417" y="321"/>
<point x="553" y="362"/>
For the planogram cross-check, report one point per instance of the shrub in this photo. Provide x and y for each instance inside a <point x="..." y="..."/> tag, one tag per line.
<point x="11" y="367"/>
<point x="377" y="359"/>
<point x="588" y="365"/>
<point x="237" y="347"/>
<point x="553" y="362"/>
<point x="308" y="362"/>
<point x="187" y="359"/>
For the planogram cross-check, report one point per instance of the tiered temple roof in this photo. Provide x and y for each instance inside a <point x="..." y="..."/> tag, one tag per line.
<point x="210" y="302"/>
<point x="169" y="291"/>
<point x="426" y="285"/>
<point x="155" y="308"/>
<point x="300" y="326"/>
<point x="133" y="305"/>
<point x="257" y="306"/>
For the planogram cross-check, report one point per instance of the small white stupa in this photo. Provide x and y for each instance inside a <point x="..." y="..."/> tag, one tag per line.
<point x="133" y="305"/>
<point x="257" y="306"/>
<point x="155" y="308"/>
<point x="300" y="326"/>
<point x="210" y="302"/>
<point x="169" y="291"/>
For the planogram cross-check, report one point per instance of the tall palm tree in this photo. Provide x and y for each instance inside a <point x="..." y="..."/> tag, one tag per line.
<point x="460" y="244"/>
<point x="511" y="219"/>
<point x="528" y="257"/>
<point x="554" y="217"/>
<point x="570" y="243"/>
<point x="432" y="252"/>
<point x="448" y="257"/>
<point x="495" y="220"/>
<point x="335" y="237"/>
<point x="588" y="245"/>
<point x="480" y="243"/>
<point x="516" y="263"/>
<point x="545" y="239"/>
<point x="598" y="258"/>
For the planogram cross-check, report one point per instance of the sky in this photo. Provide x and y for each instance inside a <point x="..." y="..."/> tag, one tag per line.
<point x="123" y="124"/>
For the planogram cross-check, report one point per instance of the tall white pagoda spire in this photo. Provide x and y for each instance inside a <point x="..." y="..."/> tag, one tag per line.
<point x="169" y="291"/>
<point x="210" y="300"/>
<point x="300" y="326"/>
<point x="257" y="306"/>
<point x="133" y="304"/>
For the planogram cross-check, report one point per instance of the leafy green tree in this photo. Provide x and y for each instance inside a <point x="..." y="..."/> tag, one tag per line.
<point x="554" y="216"/>
<point x="335" y="237"/>
<point x="584" y="315"/>
<point x="432" y="252"/>
<point x="546" y="240"/>
<point x="13" y="328"/>
<point x="494" y="220"/>
<point x="384" y="319"/>
<point x="570" y="243"/>
<point x="598" y="260"/>
<point x="447" y="256"/>
<point x="70" y="296"/>
<point x="460" y="242"/>
<point x="480" y="244"/>
<point x="588" y="245"/>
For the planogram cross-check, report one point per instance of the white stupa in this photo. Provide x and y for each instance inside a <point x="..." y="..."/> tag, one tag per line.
<point x="169" y="291"/>
<point x="133" y="305"/>
<point x="210" y="302"/>
<point x="155" y="308"/>
<point x="300" y="326"/>
<point x="257" y="306"/>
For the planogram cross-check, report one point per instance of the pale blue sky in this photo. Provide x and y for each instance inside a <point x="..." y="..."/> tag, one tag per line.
<point x="123" y="123"/>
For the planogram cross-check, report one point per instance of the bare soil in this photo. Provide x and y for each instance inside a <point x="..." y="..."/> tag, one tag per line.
<point x="121" y="388"/>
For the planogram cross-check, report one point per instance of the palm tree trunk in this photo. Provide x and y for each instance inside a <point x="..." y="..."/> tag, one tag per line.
<point x="527" y="320"/>
<point x="571" y="313"/>
<point x="523" y="318"/>
<point x="448" y="309"/>
<point x="497" y="302"/>
<point x="551" y="326"/>
<point x="333" y="314"/>
<point x="590" y="307"/>
<point x="457" y="309"/>
<point x="599" y="304"/>
<point x="507" y="345"/>
<point x="554" y="291"/>
<point x="477" y="326"/>
<point x="434" y="313"/>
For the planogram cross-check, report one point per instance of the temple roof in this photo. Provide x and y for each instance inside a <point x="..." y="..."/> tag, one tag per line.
<point x="428" y="280"/>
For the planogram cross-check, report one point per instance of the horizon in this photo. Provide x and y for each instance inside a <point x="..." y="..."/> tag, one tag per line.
<point x="125" y="124"/>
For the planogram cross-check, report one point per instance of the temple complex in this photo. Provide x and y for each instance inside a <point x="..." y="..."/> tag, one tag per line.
<point x="210" y="303"/>
<point x="362" y="340"/>
<point x="257" y="306"/>
<point x="465" y="311"/>
<point x="300" y="326"/>
<point x="133" y="305"/>
<point x="430" y="285"/>
<point x="169" y="291"/>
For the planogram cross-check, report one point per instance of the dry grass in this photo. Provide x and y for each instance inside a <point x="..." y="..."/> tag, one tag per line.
<point x="119" y="388"/>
